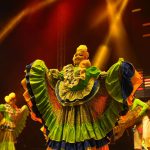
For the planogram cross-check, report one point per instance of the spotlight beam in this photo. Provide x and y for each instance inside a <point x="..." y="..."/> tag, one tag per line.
<point x="101" y="16"/>
<point x="116" y="30"/>
<point x="12" y="23"/>
<point x="115" y="17"/>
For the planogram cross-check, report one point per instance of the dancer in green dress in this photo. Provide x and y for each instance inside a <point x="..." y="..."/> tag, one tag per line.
<point x="12" y="122"/>
<point x="79" y="105"/>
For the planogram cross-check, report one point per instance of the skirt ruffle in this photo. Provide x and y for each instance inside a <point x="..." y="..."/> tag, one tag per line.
<point x="85" y="124"/>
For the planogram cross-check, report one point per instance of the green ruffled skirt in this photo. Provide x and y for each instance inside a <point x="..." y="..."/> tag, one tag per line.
<point x="75" y="127"/>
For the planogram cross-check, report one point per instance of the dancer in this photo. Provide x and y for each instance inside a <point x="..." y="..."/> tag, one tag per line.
<point x="12" y="122"/>
<point x="79" y="105"/>
<point x="133" y="116"/>
<point x="142" y="132"/>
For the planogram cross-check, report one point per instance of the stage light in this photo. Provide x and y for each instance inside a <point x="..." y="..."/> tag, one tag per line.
<point x="136" y="10"/>
<point x="116" y="34"/>
<point x="146" y="24"/>
<point x="25" y="12"/>
<point x="11" y="24"/>
<point x="101" y="56"/>
<point x="146" y="35"/>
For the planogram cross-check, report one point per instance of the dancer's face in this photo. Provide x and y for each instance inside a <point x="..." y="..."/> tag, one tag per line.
<point x="12" y="102"/>
<point x="78" y="57"/>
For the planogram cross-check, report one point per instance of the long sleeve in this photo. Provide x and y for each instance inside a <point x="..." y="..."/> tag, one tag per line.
<point x="21" y="121"/>
<point x="138" y="102"/>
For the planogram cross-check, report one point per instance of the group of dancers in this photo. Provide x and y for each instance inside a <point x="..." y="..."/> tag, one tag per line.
<point x="79" y="107"/>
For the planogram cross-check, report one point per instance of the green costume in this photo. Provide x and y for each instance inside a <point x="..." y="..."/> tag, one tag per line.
<point x="78" y="114"/>
<point x="12" y="122"/>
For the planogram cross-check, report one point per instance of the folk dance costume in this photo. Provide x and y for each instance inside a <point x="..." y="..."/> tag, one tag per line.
<point x="12" y="122"/>
<point x="79" y="106"/>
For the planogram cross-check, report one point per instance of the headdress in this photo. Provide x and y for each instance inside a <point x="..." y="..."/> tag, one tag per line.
<point x="83" y="49"/>
<point x="9" y="97"/>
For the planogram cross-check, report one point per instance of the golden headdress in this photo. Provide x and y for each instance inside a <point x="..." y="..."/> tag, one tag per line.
<point x="83" y="49"/>
<point x="9" y="97"/>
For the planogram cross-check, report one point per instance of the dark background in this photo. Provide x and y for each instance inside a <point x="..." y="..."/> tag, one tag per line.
<point x="52" y="33"/>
